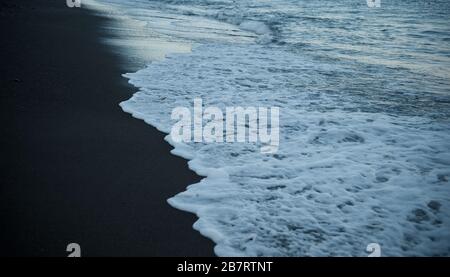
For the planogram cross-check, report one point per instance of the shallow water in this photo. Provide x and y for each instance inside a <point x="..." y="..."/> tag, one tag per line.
<point x="364" y="97"/>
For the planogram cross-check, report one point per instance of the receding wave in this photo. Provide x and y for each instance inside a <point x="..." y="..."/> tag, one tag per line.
<point x="364" y="104"/>
<point x="342" y="178"/>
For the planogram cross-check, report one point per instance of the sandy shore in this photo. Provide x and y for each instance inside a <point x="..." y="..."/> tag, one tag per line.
<point x="74" y="166"/>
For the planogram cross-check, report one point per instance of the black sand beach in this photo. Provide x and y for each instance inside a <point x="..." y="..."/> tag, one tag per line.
<point x="74" y="166"/>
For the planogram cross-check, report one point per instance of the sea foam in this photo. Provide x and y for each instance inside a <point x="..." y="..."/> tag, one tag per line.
<point x="365" y="139"/>
<point x="341" y="179"/>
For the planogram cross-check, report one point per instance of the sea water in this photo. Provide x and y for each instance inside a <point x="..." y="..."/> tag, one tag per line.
<point x="364" y="99"/>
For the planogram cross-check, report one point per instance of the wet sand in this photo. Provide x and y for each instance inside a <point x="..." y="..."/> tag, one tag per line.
<point x="74" y="166"/>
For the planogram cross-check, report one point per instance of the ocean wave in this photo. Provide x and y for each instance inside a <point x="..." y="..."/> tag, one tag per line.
<point x="364" y="148"/>
<point x="341" y="179"/>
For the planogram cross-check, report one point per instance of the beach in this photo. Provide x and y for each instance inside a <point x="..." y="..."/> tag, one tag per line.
<point x="75" y="167"/>
<point x="108" y="138"/>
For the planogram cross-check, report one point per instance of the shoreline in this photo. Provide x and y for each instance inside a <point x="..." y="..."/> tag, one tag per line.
<point x="76" y="168"/>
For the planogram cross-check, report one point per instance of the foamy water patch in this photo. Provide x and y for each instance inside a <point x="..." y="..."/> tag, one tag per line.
<point x="341" y="179"/>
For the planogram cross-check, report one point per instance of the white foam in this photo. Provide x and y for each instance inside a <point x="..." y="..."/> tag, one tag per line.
<point x="341" y="179"/>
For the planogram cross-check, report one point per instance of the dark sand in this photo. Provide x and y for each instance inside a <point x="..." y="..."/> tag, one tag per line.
<point x="75" y="167"/>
